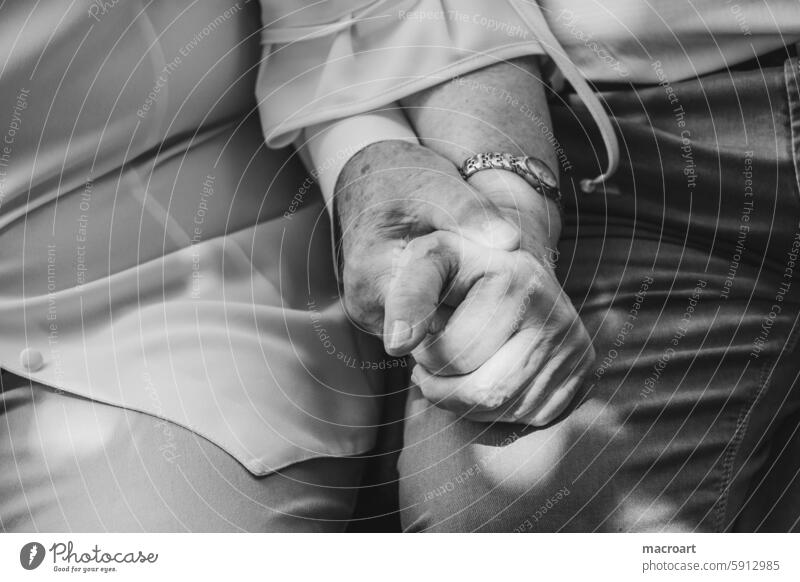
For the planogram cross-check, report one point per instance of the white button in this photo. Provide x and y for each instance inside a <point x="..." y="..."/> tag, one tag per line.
<point x="31" y="360"/>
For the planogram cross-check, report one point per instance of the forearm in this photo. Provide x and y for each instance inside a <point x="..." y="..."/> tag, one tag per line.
<point x="499" y="108"/>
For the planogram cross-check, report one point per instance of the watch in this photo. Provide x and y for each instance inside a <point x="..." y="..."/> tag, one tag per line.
<point x="533" y="170"/>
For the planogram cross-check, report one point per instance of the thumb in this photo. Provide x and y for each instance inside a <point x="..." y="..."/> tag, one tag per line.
<point x="412" y="303"/>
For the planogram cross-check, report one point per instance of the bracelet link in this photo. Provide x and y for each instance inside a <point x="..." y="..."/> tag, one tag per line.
<point x="533" y="170"/>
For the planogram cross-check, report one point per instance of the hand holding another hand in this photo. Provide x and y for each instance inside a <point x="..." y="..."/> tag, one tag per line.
<point x="459" y="276"/>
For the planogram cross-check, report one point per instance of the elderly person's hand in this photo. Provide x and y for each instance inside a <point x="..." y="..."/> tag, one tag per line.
<point x="458" y="276"/>
<point x="389" y="194"/>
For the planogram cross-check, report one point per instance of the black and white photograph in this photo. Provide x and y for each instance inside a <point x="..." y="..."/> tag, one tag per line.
<point x="373" y="267"/>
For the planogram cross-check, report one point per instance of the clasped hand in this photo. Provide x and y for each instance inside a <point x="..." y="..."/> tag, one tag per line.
<point x="461" y="278"/>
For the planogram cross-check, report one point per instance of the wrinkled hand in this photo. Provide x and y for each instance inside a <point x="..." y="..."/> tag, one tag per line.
<point x="389" y="194"/>
<point x="512" y="348"/>
<point x="460" y="278"/>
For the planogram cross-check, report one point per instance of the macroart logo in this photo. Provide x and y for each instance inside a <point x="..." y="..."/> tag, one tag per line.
<point x="31" y="555"/>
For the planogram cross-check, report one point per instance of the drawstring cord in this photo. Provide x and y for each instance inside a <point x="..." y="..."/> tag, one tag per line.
<point x="531" y="14"/>
<point x="539" y="27"/>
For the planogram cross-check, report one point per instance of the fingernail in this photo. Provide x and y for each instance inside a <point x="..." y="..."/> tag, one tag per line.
<point x="400" y="334"/>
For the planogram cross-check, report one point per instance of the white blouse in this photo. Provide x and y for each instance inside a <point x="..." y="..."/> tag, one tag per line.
<point x="339" y="59"/>
<point x="154" y="254"/>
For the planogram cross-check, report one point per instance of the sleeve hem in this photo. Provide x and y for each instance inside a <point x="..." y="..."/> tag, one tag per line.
<point x="331" y="145"/>
<point x="276" y="135"/>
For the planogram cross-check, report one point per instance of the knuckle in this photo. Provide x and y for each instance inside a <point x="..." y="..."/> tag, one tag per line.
<point x="428" y="246"/>
<point x="468" y="397"/>
<point x="485" y="396"/>
<point x="503" y="277"/>
<point x="432" y="391"/>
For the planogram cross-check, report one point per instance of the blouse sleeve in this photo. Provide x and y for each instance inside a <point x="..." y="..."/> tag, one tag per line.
<point x="341" y="58"/>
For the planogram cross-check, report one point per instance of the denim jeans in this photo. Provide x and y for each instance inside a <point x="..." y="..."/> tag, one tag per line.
<point x="686" y="272"/>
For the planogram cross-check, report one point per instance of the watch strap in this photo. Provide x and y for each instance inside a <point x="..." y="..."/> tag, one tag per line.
<point x="533" y="170"/>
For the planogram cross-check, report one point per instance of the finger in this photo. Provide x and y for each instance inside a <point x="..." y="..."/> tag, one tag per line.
<point x="494" y="309"/>
<point x="557" y="403"/>
<point x="463" y="395"/>
<point x="549" y="394"/>
<point x="558" y="400"/>
<point x="515" y="383"/>
<point x="552" y="389"/>
<point x="463" y="210"/>
<point x="493" y="386"/>
<point x="420" y="276"/>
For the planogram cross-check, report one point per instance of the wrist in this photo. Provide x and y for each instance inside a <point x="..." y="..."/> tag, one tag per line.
<point x="390" y="160"/>
<point x="539" y="217"/>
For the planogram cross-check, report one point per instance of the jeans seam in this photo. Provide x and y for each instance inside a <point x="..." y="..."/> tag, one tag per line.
<point x="743" y="423"/>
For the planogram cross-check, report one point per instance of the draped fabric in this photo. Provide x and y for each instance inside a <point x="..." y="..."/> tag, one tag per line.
<point x="154" y="254"/>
